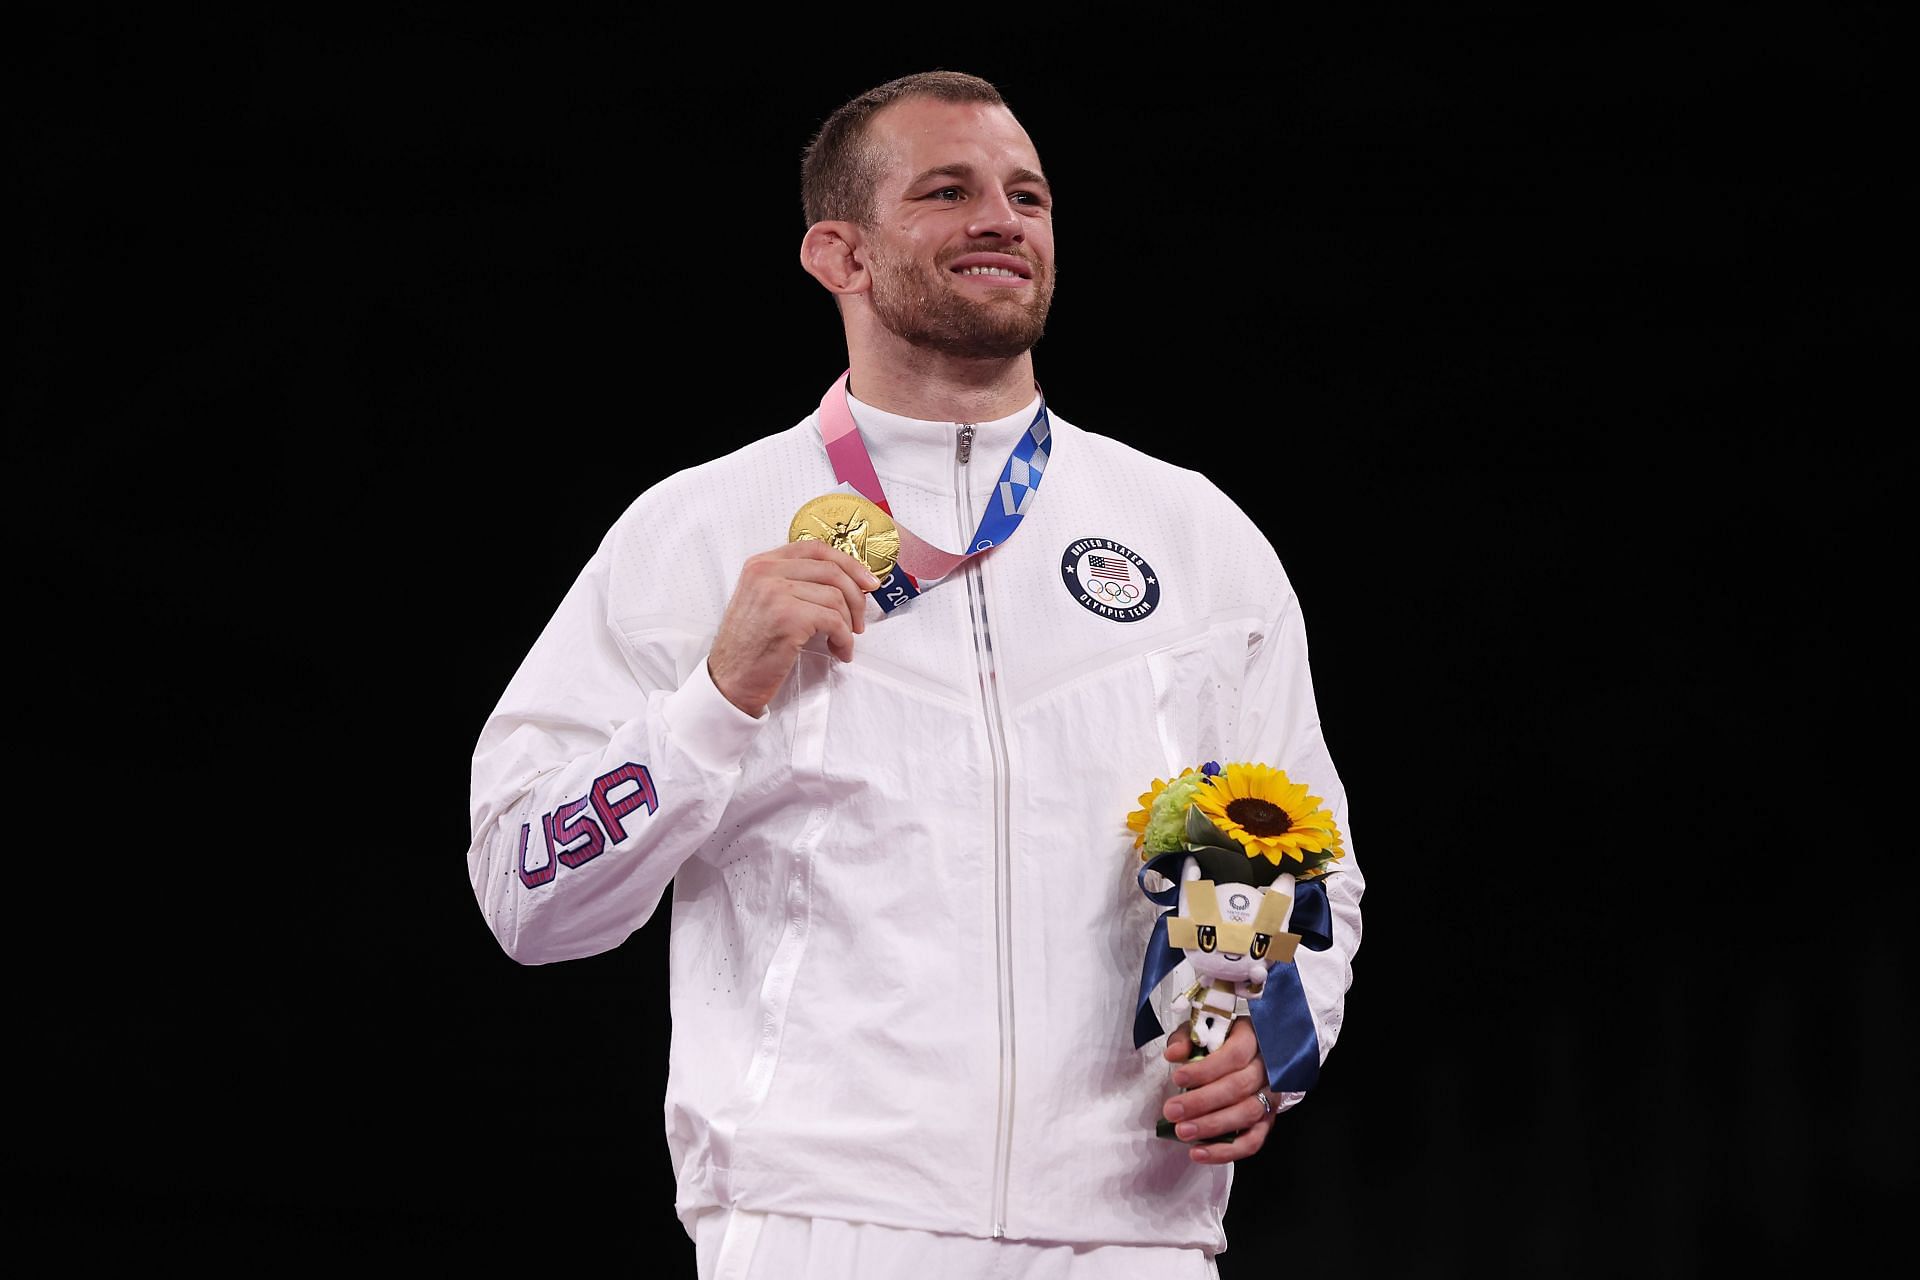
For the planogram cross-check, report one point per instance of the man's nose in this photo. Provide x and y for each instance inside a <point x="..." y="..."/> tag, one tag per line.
<point x="994" y="215"/>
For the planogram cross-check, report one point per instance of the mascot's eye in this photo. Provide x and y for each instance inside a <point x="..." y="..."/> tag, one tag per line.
<point x="1261" y="942"/>
<point x="1209" y="939"/>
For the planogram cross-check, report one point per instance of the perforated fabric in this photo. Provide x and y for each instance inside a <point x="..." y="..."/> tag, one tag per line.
<point x="865" y="1027"/>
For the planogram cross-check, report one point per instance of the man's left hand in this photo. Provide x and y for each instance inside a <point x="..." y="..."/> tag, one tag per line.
<point x="1221" y="1095"/>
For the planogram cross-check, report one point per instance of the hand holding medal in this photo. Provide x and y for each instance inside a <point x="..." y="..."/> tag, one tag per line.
<point x="841" y="546"/>
<point x="783" y="599"/>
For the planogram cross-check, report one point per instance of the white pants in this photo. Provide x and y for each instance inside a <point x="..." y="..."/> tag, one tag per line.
<point x="738" y="1245"/>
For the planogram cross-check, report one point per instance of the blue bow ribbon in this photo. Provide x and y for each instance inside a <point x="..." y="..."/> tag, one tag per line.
<point x="1282" y="1023"/>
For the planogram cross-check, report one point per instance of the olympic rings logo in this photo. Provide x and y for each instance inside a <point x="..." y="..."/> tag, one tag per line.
<point x="1108" y="580"/>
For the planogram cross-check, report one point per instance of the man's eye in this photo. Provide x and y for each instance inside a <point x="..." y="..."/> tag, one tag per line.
<point x="947" y="193"/>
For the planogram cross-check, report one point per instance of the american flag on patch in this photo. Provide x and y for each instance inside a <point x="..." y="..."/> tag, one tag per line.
<point x="1109" y="567"/>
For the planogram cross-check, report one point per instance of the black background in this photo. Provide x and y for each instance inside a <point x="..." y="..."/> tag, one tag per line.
<point x="1545" y="352"/>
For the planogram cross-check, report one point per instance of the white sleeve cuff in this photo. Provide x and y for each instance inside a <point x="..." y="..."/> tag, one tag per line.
<point x="702" y="723"/>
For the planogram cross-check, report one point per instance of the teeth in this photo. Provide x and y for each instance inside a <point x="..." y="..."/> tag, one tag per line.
<point x="989" y="271"/>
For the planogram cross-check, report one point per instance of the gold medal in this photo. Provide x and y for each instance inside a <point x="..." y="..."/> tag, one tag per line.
<point x="850" y="523"/>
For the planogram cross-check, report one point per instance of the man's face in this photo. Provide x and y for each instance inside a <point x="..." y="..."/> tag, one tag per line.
<point x="961" y="248"/>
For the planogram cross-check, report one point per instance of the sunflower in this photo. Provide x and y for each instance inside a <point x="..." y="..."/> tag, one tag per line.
<point x="1137" y="820"/>
<point x="1269" y="815"/>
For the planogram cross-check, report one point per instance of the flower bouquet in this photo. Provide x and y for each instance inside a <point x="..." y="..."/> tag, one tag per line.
<point x="1242" y="850"/>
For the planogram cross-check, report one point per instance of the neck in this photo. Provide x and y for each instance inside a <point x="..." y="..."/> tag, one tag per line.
<point x="934" y="387"/>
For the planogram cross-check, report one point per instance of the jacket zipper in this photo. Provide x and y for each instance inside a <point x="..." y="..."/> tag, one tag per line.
<point x="1002" y="850"/>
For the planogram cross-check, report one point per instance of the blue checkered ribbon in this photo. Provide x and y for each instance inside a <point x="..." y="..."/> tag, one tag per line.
<point x="1019" y="480"/>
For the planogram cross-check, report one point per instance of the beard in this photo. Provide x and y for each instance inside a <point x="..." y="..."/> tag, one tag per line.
<point x="926" y="311"/>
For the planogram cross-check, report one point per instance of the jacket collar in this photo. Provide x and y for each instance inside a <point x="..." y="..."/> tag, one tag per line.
<point x="922" y="453"/>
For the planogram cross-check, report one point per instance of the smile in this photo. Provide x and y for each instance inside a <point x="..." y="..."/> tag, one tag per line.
<point x="1005" y="270"/>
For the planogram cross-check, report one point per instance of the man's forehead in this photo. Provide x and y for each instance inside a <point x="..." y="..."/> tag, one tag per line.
<point x="916" y="135"/>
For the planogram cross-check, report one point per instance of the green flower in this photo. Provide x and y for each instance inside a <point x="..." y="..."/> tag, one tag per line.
<point x="1167" y="821"/>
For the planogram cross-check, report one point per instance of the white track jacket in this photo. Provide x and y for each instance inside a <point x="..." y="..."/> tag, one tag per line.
<point x="906" y="934"/>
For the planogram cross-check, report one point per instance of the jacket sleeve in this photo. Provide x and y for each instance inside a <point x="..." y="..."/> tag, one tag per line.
<point x="1280" y="725"/>
<point x="602" y="769"/>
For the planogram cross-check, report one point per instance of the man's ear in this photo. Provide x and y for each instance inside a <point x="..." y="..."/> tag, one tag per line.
<point x="834" y="253"/>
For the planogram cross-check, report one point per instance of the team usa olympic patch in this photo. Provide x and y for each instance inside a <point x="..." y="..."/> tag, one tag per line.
<point x="1109" y="579"/>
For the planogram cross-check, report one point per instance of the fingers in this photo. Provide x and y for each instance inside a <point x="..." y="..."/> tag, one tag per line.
<point x="1240" y="1048"/>
<point x="1218" y="1098"/>
<point x="828" y="617"/>
<point x="1179" y="1045"/>
<point x="785" y="597"/>
<point x="830" y="568"/>
<point x="1248" y="1143"/>
<point x="820" y="553"/>
<point x="814" y="549"/>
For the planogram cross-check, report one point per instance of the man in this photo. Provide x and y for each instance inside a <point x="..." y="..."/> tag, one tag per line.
<point x="906" y="931"/>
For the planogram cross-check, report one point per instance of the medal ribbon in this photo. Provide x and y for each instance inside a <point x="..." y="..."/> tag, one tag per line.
<point x="921" y="564"/>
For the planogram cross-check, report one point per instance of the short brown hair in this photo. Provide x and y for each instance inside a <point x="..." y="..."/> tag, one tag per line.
<point x="839" y="171"/>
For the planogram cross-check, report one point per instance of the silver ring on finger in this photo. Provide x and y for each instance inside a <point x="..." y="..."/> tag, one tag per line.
<point x="1266" y="1103"/>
